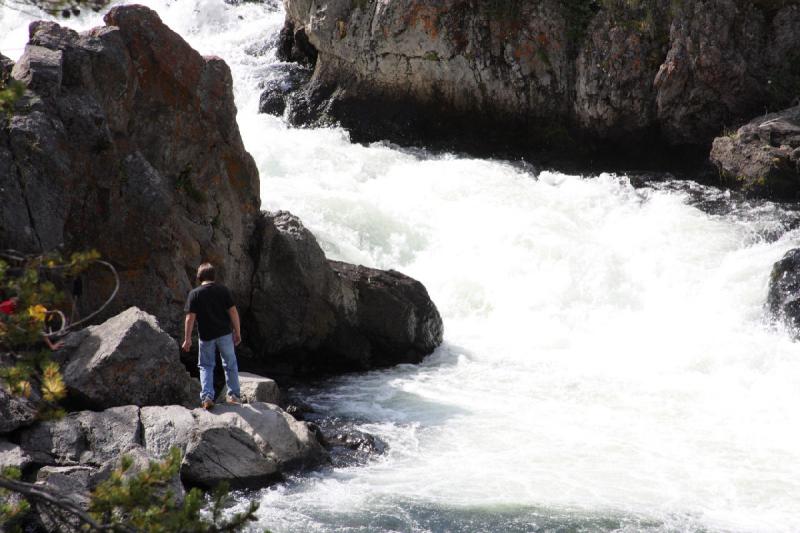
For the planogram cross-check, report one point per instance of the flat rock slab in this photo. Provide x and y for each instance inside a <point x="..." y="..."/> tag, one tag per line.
<point x="254" y="388"/>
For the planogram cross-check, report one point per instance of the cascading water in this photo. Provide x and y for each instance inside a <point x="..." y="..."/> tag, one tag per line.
<point x="607" y="364"/>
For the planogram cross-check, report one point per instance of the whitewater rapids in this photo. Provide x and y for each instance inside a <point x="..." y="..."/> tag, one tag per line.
<point x="608" y="363"/>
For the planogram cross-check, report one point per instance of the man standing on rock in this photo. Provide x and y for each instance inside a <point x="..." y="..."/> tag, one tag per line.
<point x="218" y="327"/>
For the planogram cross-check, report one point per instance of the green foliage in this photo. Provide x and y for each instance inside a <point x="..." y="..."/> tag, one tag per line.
<point x="9" y="94"/>
<point x="146" y="502"/>
<point x="29" y="280"/>
<point x="13" y="508"/>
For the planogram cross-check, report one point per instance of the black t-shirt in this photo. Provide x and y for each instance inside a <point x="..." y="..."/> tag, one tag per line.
<point x="210" y="303"/>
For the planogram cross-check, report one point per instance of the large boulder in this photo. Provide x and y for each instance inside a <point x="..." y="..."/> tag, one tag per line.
<point x="245" y="445"/>
<point x="129" y="360"/>
<point x="309" y="315"/>
<point x="390" y="318"/>
<point x="126" y="142"/>
<point x="783" y="298"/>
<point x="763" y="156"/>
<point x="657" y="75"/>
<point x="15" y="411"/>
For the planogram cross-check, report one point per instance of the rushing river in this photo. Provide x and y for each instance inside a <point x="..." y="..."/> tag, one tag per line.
<point x="607" y="365"/>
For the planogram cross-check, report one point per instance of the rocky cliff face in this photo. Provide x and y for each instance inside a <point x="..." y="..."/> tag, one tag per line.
<point x="126" y="141"/>
<point x="539" y="73"/>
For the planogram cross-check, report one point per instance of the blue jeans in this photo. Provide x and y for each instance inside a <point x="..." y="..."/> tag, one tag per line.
<point x="207" y="363"/>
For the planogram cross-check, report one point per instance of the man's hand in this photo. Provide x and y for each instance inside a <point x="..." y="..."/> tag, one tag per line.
<point x="237" y="338"/>
<point x="187" y="345"/>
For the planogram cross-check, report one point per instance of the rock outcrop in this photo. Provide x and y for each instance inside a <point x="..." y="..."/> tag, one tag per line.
<point x="783" y="298"/>
<point x="244" y="444"/>
<point x="655" y="73"/>
<point x="126" y="142"/>
<point x="309" y="315"/>
<point x="128" y="360"/>
<point x="763" y="156"/>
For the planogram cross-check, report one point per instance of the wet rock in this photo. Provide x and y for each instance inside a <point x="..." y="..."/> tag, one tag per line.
<point x="783" y="298"/>
<point x="15" y="411"/>
<point x="347" y="445"/>
<point x="129" y="360"/>
<point x="275" y="97"/>
<point x="293" y="45"/>
<point x="12" y="455"/>
<point x="83" y="438"/>
<point x="763" y="156"/>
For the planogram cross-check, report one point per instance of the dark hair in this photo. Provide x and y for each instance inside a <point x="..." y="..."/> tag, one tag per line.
<point x="206" y="272"/>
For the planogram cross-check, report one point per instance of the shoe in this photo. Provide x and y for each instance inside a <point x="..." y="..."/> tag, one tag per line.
<point x="207" y="404"/>
<point x="232" y="398"/>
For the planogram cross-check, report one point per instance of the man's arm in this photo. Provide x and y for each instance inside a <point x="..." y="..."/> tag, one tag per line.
<point x="188" y="325"/>
<point x="237" y="332"/>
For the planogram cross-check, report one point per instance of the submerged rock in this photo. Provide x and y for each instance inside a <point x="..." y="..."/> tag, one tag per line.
<point x="784" y="289"/>
<point x="763" y="156"/>
<point x="129" y="360"/>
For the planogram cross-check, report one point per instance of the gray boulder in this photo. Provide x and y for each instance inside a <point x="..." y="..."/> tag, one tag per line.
<point x="309" y="315"/>
<point x="129" y="360"/>
<point x="15" y="411"/>
<point x="763" y="156"/>
<point x="165" y="427"/>
<point x="12" y="455"/>
<point x="246" y="445"/>
<point x="84" y="438"/>
<point x="390" y="317"/>
<point x="255" y="388"/>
